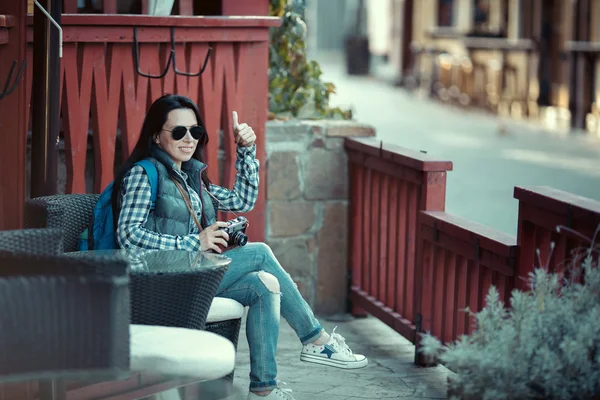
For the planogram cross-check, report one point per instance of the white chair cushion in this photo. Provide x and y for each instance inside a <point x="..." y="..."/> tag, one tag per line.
<point x="182" y="352"/>
<point x="223" y="309"/>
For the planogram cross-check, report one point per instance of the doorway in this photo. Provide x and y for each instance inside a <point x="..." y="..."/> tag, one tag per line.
<point x="549" y="67"/>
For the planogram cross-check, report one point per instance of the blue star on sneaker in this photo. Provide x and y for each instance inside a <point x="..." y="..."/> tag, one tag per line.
<point x="328" y="351"/>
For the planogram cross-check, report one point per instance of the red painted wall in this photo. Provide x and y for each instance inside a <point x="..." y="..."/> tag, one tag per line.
<point x="245" y="7"/>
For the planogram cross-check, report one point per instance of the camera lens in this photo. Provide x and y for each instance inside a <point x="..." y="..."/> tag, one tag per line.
<point x="239" y="239"/>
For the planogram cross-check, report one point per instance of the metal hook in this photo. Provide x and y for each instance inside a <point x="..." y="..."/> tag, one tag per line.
<point x="136" y="57"/>
<point x="14" y="85"/>
<point x="175" y="58"/>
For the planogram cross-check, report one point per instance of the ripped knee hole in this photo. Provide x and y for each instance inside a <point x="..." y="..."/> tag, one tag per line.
<point x="270" y="281"/>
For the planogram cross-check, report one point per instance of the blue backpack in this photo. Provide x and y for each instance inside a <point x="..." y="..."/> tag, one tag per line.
<point x="101" y="226"/>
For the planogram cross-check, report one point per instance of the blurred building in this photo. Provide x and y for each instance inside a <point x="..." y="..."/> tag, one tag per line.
<point x="535" y="59"/>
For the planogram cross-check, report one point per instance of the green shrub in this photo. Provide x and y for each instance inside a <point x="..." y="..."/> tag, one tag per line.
<point x="546" y="345"/>
<point x="295" y="85"/>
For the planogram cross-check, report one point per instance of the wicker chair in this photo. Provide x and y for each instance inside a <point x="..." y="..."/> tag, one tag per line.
<point x="71" y="213"/>
<point x="56" y="325"/>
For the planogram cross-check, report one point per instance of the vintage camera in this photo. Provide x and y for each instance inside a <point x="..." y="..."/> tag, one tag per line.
<point x="236" y="229"/>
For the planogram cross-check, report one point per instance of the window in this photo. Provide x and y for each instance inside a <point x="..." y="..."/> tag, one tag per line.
<point x="446" y="12"/>
<point x="489" y="18"/>
<point x="481" y="15"/>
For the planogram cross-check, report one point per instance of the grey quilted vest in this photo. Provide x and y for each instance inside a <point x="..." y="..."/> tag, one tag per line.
<point x="171" y="215"/>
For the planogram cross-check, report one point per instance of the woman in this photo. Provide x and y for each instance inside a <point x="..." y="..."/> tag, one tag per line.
<point x="173" y="138"/>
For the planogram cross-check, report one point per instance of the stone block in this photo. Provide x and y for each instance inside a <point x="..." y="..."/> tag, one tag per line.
<point x="290" y="218"/>
<point x="293" y="255"/>
<point x="349" y="129"/>
<point x="326" y="175"/>
<point x="315" y="128"/>
<point x="279" y="131"/>
<point x="318" y="143"/>
<point x="282" y="175"/>
<point x="336" y="144"/>
<point x="331" y="289"/>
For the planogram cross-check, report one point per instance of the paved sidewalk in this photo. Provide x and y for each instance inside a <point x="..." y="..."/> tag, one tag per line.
<point x="390" y="374"/>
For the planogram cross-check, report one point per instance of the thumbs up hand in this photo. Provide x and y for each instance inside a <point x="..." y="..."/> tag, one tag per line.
<point x="244" y="134"/>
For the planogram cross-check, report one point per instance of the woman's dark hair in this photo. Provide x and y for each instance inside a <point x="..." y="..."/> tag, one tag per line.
<point x="153" y="124"/>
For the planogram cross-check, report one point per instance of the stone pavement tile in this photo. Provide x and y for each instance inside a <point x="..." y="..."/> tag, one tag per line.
<point x="390" y="373"/>
<point x="313" y="396"/>
<point x="373" y="387"/>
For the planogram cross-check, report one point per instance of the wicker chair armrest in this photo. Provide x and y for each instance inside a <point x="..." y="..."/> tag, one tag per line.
<point x="36" y="241"/>
<point x="69" y="212"/>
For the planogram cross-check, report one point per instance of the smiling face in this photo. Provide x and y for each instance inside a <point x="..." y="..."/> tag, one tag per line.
<point x="179" y="150"/>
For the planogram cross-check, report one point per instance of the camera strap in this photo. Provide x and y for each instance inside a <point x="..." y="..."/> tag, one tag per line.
<point x="188" y="203"/>
<point x="221" y="203"/>
<point x="191" y="209"/>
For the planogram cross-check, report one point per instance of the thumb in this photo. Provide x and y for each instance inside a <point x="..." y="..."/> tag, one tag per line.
<point x="235" y="121"/>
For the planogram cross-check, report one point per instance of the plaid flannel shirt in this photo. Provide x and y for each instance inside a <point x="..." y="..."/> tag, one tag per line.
<point x="136" y="202"/>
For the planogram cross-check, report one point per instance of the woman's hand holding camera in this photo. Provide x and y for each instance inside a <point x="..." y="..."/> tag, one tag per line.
<point x="244" y="134"/>
<point x="213" y="236"/>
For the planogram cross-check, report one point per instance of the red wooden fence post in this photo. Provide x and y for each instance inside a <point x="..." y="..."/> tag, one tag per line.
<point x="13" y="136"/>
<point x="390" y="185"/>
<point x="69" y="6"/>
<point x="13" y="122"/>
<point x="109" y="6"/>
<point x="433" y="198"/>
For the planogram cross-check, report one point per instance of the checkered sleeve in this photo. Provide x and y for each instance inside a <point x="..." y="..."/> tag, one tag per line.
<point x="245" y="189"/>
<point x="136" y="202"/>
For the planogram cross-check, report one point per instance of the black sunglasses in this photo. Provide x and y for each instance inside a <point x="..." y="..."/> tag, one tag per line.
<point x="179" y="132"/>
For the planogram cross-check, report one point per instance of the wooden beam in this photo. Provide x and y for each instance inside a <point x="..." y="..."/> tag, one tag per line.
<point x="109" y="6"/>
<point x="245" y="7"/>
<point x="13" y="124"/>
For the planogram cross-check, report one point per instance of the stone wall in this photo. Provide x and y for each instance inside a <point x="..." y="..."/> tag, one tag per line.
<point x="307" y="206"/>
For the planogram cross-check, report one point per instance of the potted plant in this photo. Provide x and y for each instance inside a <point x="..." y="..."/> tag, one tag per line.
<point x="546" y="345"/>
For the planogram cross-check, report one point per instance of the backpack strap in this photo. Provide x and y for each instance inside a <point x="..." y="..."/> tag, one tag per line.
<point x="152" y="173"/>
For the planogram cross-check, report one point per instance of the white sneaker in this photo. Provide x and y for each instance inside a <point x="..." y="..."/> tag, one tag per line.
<point x="278" y="393"/>
<point x="335" y="353"/>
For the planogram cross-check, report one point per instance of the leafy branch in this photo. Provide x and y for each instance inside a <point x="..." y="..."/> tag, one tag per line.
<point x="296" y="88"/>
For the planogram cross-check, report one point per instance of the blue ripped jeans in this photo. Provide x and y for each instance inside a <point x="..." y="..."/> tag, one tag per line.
<point x="247" y="281"/>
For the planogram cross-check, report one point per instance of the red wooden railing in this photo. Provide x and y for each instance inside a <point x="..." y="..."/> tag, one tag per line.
<point x="389" y="186"/>
<point x="459" y="261"/>
<point x="541" y="210"/>
<point x="101" y="91"/>
<point x="417" y="268"/>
